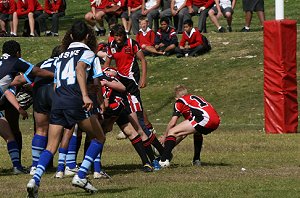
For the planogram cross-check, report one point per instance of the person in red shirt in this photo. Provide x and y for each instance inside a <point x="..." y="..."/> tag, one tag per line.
<point x="96" y="15"/>
<point x="200" y="119"/>
<point x="8" y="13"/>
<point x="191" y="43"/>
<point x="198" y="7"/>
<point x="29" y="9"/>
<point x="55" y="9"/>
<point x="145" y="37"/>
<point x="133" y="9"/>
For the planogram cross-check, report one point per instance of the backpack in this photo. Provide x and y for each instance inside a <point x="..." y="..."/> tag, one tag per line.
<point x="206" y="43"/>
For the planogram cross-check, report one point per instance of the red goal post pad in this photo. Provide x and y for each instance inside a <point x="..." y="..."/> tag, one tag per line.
<point x="280" y="82"/>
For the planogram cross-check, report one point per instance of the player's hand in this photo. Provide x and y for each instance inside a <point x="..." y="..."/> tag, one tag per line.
<point x="191" y="10"/>
<point x="142" y="84"/>
<point x="23" y="113"/>
<point x="88" y="103"/>
<point x="162" y="139"/>
<point x="201" y="9"/>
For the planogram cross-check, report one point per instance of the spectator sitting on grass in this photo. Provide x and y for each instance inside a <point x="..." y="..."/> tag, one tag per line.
<point x="145" y="37"/>
<point x="191" y="43"/>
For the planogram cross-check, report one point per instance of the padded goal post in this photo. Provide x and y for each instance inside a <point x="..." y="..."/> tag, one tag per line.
<point x="280" y="82"/>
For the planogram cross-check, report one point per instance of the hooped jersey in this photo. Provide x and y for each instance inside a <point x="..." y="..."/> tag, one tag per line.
<point x="10" y="67"/>
<point x="125" y="57"/>
<point x="191" y="105"/>
<point x="46" y="65"/>
<point x="67" y="93"/>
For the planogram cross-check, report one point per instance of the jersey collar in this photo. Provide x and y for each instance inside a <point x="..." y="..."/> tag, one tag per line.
<point x="78" y="44"/>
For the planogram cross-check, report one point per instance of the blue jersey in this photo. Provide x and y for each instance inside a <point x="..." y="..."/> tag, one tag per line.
<point x="10" y="67"/>
<point x="46" y="65"/>
<point x="67" y="93"/>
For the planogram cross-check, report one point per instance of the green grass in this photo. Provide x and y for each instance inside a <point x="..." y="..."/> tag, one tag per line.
<point x="231" y="78"/>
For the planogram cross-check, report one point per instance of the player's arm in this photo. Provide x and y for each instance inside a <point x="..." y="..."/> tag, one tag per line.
<point x="116" y="85"/>
<point x="10" y="96"/>
<point x="18" y="80"/>
<point x="233" y="2"/>
<point x="171" y="124"/>
<point x="143" y="80"/>
<point x="36" y="71"/>
<point x="81" y="79"/>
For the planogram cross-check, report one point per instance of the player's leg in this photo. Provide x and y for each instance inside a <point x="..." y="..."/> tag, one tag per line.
<point x="71" y="165"/>
<point x="31" y="23"/>
<point x="12" y="146"/>
<point x="40" y="138"/>
<point x="198" y="141"/>
<point x="212" y="15"/>
<point x="182" y="129"/>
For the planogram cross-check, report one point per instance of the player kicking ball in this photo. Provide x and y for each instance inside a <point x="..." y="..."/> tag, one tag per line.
<point x="200" y="118"/>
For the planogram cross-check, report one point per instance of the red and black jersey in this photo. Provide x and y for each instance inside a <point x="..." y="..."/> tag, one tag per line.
<point x="146" y="38"/>
<point x="190" y="106"/>
<point x="194" y="39"/>
<point x="7" y="6"/>
<point x="26" y="6"/>
<point x="99" y="4"/>
<point x="125" y="57"/>
<point x="166" y="37"/>
<point x="53" y="6"/>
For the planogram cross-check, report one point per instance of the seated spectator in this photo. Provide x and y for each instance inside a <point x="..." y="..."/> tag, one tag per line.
<point x="166" y="39"/>
<point x="55" y="9"/>
<point x="175" y="11"/>
<point x="8" y="13"/>
<point x="96" y="15"/>
<point x="222" y="8"/>
<point x="198" y="7"/>
<point x="115" y="8"/>
<point x="145" y="37"/>
<point x="133" y="12"/>
<point x="191" y="43"/>
<point x="29" y="10"/>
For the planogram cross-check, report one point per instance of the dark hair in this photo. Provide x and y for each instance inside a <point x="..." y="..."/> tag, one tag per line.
<point x="77" y="33"/>
<point x="118" y="29"/>
<point x="112" y="21"/>
<point x="56" y="51"/>
<point x="165" y="19"/>
<point x="11" y="47"/>
<point x="188" y="22"/>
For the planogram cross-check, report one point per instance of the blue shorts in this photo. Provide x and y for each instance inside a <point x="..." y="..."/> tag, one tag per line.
<point x="68" y="117"/>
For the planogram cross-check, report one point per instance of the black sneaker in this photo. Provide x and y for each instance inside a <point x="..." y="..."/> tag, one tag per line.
<point x="147" y="168"/>
<point x="179" y="55"/>
<point x="48" y="33"/>
<point x="245" y="30"/>
<point x="221" y="30"/>
<point x="229" y="28"/>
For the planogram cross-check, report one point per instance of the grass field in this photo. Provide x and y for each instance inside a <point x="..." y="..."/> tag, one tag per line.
<point x="239" y="159"/>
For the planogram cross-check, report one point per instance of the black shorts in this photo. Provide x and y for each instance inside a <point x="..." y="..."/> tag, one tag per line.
<point x="5" y="17"/>
<point x="123" y="118"/>
<point x="253" y="5"/>
<point x="68" y="117"/>
<point x="42" y="98"/>
<point x="131" y="84"/>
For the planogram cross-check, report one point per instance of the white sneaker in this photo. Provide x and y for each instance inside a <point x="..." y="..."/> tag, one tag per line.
<point x="71" y="171"/>
<point x="32" y="189"/>
<point x="32" y="170"/>
<point x="17" y="171"/>
<point x="84" y="184"/>
<point x="196" y="163"/>
<point x="59" y="175"/>
<point x="101" y="175"/>
<point x="164" y="164"/>
<point x="121" y="136"/>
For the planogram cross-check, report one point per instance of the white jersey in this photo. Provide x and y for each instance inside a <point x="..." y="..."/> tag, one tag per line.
<point x="178" y="3"/>
<point x="225" y="3"/>
<point x="149" y="4"/>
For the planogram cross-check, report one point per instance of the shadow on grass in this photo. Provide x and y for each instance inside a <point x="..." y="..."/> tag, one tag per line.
<point x="202" y="164"/>
<point x="85" y="194"/>
<point x="122" y="169"/>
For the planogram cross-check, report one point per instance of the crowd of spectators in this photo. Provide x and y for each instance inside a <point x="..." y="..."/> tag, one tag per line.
<point x="129" y="11"/>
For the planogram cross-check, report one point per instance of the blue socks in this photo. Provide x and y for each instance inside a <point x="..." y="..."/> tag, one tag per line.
<point x="61" y="159"/>
<point x="71" y="156"/>
<point x="39" y="144"/>
<point x="45" y="158"/>
<point x="94" y="149"/>
<point x="14" y="153"/>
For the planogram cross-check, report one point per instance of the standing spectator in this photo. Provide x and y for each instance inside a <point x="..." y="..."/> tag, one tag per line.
<point x="199" y="118"/>
<point x="96" y="15"/>
<point x="145" y="37"/>
<point x="250" y="6"/>
<point x="191" y="43"/>
<point x="55" y="9"/>
<point x="166" y="39"/>
<point x="175" y="11"/>
<point x="132" y="13"/>
<point x="30" y="10"/>
<point x="198" y="7"/>
<point x="8" y="12"/>
<point x="222" y="8"/>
